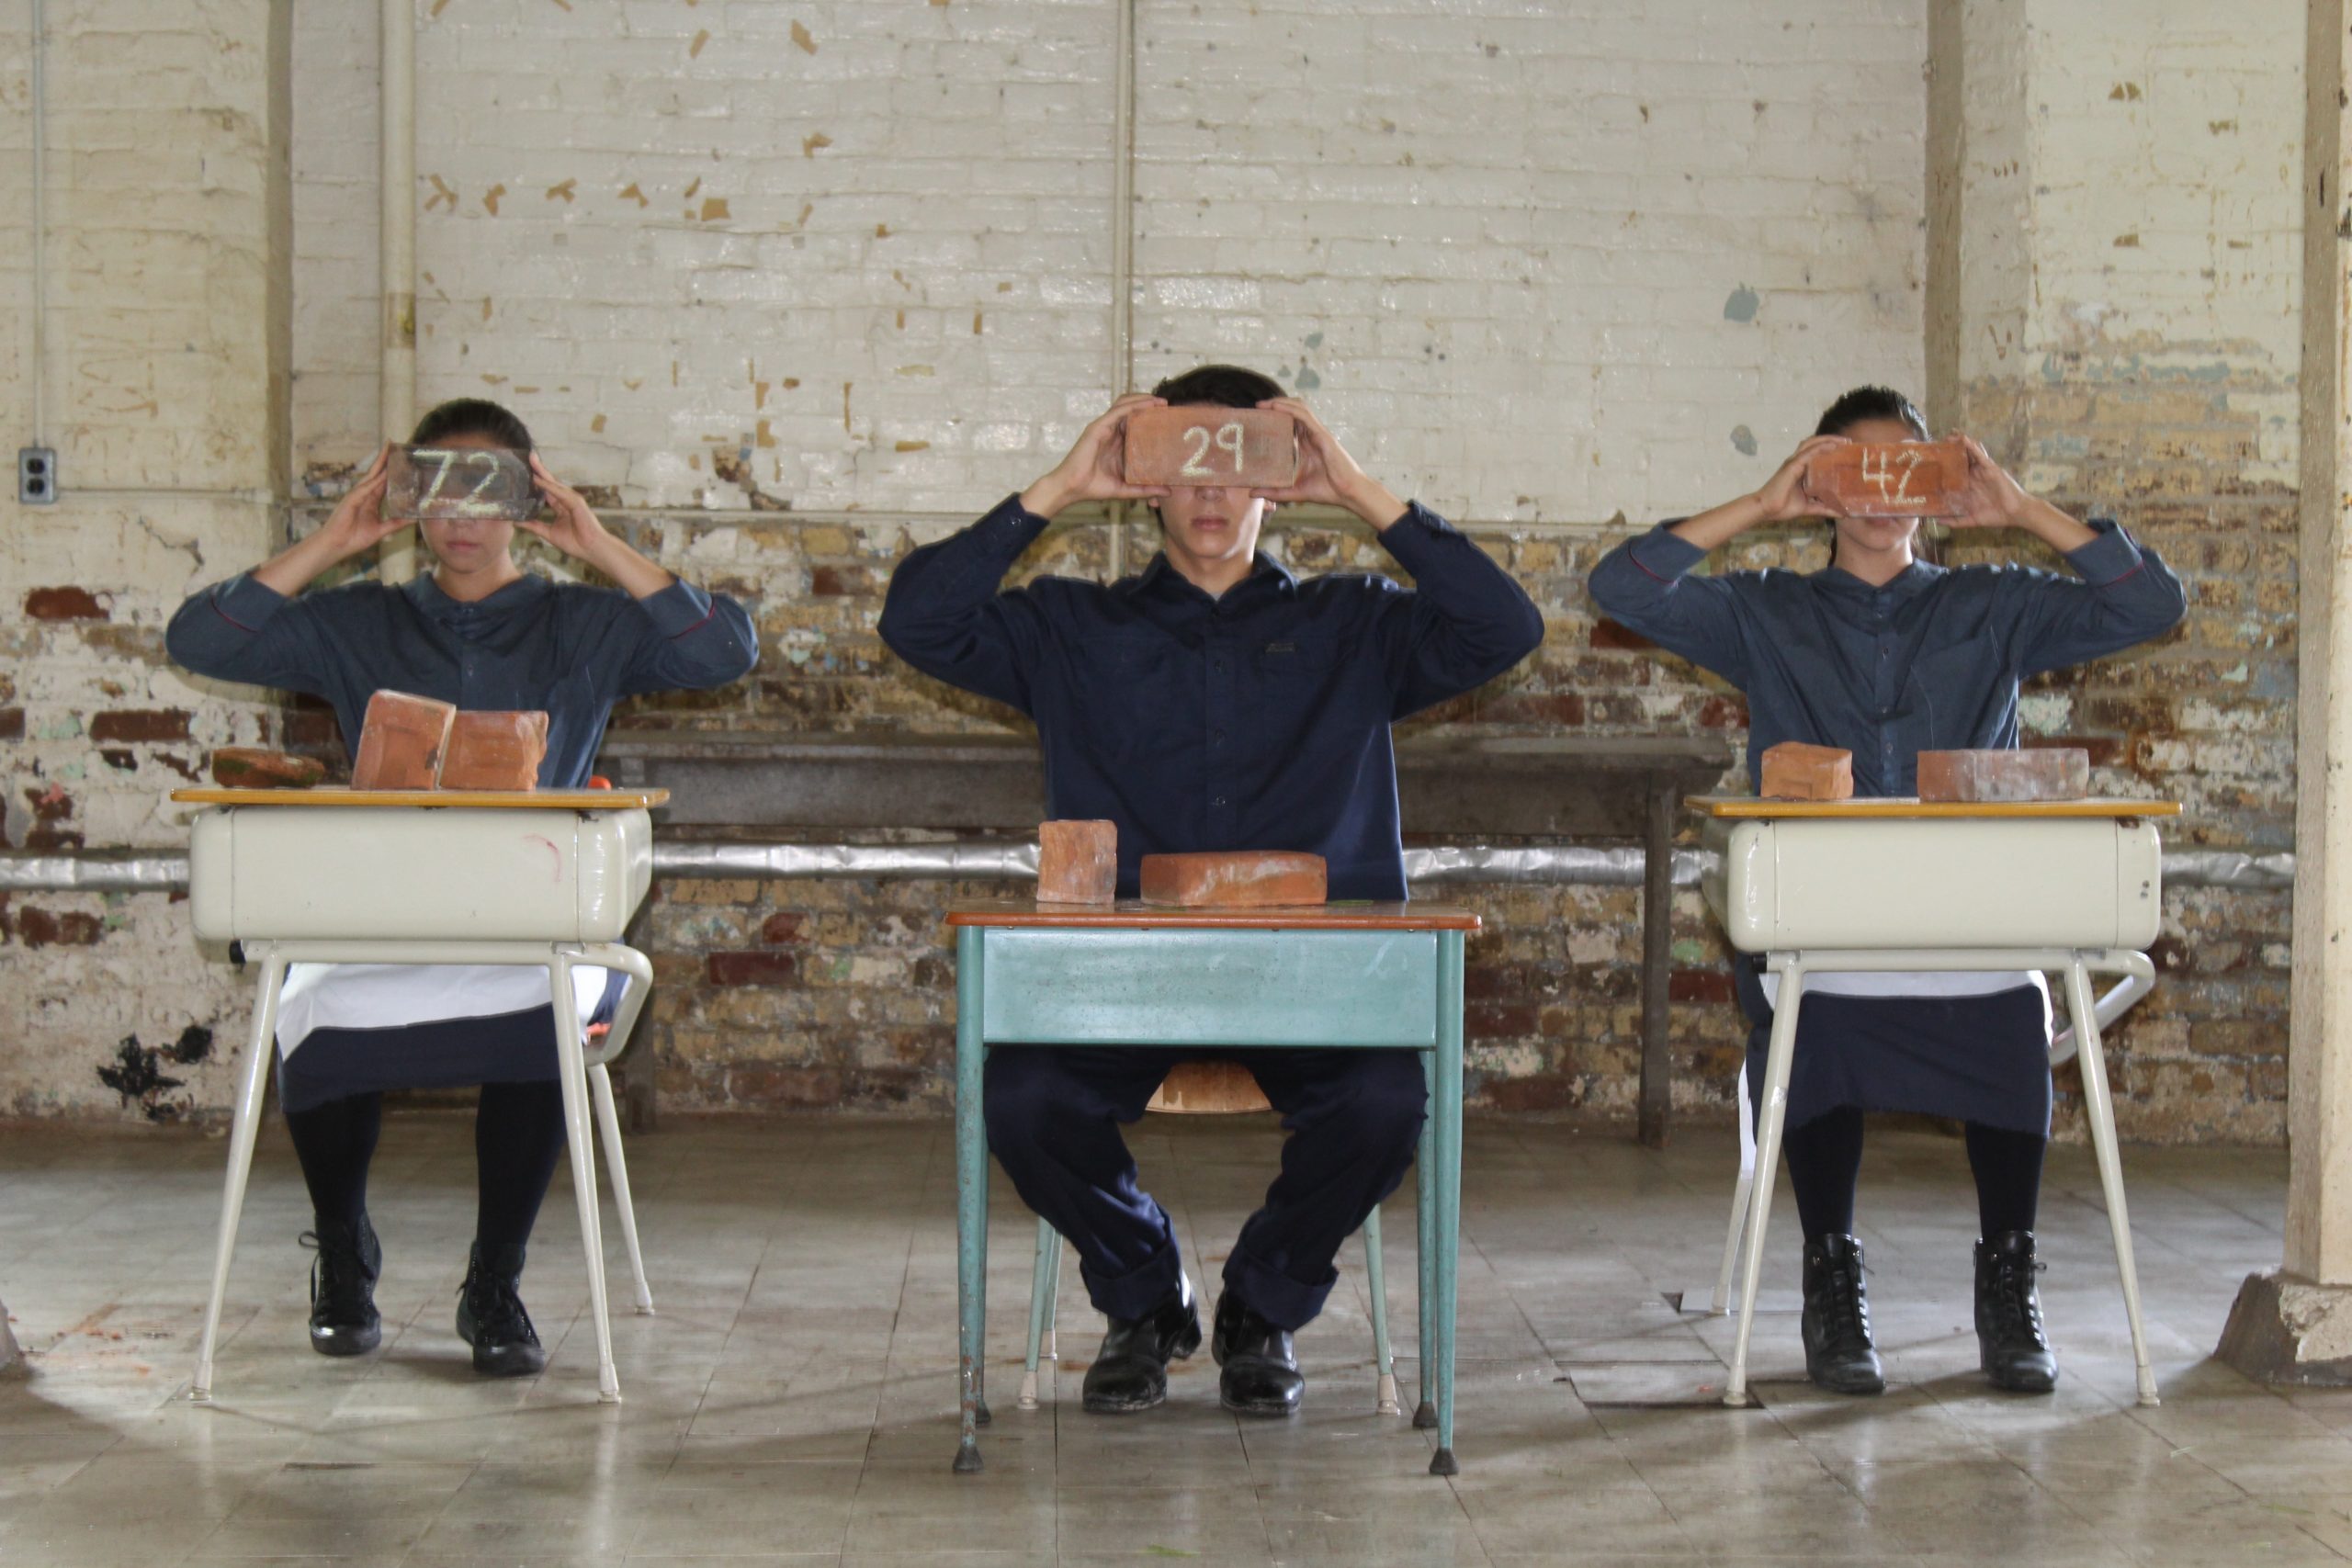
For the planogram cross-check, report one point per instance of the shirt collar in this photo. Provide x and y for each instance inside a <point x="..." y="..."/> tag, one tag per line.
<point x="1911" y="580"/>
<point x="426" y="595"/>
<point x="1165" y="580"/>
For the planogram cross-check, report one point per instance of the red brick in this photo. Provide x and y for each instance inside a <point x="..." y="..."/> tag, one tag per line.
<point x="1794" y="771"/>
<point x="750" y="968"/>
<point x="64" y="605"/>
<point x="2060" y="773"/>
<point x="496" y="750"/>
<point x="1700" y="986"/>
<point x="139" y="724"/>
<point x="402" y="742"/>
<point x="1233" y="879"/>
<point x="487" y="486"/>
<point x="12" y="724"/>
<point x="1200" y="444"/>
<point x="1609" y="634"/>
<point x="249" y="767"/>
<point x="1907" y="479"/>
<point x="782" y="927"/>
<point x="47" y="928"/>
<point x="1078" y="861"/>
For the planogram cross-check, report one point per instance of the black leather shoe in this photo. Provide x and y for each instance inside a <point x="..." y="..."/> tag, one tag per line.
<point x="1130" y="1370"/>
<point x="344" y="1321"/>
<point x="1838" y="1354"/>
<point x="490" y="1316"/>
<point x="1260" y="1375"/>
<point x="2010" y="1343"/>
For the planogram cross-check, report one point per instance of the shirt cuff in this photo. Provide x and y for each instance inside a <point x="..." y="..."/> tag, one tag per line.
<point x="677" y="609"/>
<point x="2110" y="558"/>
<point x="247" y="603"/>
<point x="1010" y="525"/>
<point x="1412" y="537"/>
<point x="1664" y="554"/>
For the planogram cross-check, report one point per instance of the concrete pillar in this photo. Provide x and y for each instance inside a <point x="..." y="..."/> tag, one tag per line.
<point x="2295" y="1324"/>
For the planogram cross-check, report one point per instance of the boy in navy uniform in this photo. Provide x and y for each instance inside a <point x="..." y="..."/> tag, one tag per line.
<point x="1213" y="702"/>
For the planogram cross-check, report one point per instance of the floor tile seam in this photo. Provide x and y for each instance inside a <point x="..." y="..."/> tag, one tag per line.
<point x="931" y="1154"/>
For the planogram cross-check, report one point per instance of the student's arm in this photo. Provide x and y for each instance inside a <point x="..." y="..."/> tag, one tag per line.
<point x="251" y="628"/>
<point x="687" y="638"/>
<point x="942" y="612"/>
<point x="1644" y="583"/>
<point x="1466" y="620"/>
<point x="2125" y="595"/>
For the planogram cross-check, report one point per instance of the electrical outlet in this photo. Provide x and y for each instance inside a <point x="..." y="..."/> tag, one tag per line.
<point x="36" y="475"/>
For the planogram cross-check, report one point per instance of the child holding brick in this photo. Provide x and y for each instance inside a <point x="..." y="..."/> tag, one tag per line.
<point x="483" y="634"/>
<point x="1886" y="656"/>
<point x="1212" y="701"/>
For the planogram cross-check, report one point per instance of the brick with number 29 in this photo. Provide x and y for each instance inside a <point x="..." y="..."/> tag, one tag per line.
<point x="1254" y="449"/>
<point x="491" y="486"/>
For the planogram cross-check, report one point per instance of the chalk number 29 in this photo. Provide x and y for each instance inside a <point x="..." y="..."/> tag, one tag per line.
<point x="1226" y="438"/>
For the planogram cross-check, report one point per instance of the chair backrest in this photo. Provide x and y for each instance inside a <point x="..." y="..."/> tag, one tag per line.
<point x="1208" y="1088"/>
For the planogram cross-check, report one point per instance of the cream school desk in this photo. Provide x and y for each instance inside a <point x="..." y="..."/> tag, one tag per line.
<point x="547" y="878"/>
<point x="1342" y="976"/>
<point x="1899" y="884"/>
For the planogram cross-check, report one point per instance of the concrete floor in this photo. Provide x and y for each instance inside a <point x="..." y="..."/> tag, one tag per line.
<point x="793" y="1402"/>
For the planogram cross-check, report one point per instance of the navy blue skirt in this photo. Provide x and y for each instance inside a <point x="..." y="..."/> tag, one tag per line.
<point x="1983" y="1058"/>
<point x="450" y="1053"/>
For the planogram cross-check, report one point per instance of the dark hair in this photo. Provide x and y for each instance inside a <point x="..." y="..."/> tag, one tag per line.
<point x="471" y="416"/>
<point x="1870" y="402"/>
<point x="1228" y="385"/>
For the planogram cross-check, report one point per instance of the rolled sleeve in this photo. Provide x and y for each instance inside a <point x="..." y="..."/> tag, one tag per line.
<point x="677" y="609"/>
<point x="2110" y="558"/>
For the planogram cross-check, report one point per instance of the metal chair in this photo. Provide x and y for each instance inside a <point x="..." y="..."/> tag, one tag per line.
<point x="1204" y="1088"/>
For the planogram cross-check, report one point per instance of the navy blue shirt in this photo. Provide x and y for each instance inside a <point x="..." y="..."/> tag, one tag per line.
<point x="565" y="647"/>
<point x="1929" y="662"/>
<point x="1254" y="721"/>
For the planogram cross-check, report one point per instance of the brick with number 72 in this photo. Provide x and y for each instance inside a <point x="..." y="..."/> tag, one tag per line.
<point x="1253" y="448"/>
<point x="454" y="482"/>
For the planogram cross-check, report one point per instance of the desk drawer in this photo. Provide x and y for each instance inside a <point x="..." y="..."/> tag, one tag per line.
<point x="1210" y="988"/>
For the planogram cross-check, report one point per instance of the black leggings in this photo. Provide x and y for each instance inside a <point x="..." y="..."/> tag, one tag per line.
<point x="1825" y="1159"/>
<point x="518" y="1137"/>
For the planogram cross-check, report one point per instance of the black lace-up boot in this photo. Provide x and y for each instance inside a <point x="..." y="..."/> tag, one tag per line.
<point x="490" y="1316"/>
<point x="1130" y="1370"/>
<point x="1838" y="1354"/>
<point x="344" y="1320"/>
<point x="1260" y="1375"/>
<point x="2010" y="1342"/>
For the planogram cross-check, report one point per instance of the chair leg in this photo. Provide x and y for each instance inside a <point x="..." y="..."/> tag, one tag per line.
<point x="1738" y="1204"/>
<point x="571" y="1074"/>
<point x="1041" y="1301"/>
<point x="1768" y="1160"/>
<point x="1375" y="1279"/>
<point x="1053" y="1298"/>
<point x="2102" y="1107"/>
<point x="242" y="1130"/>
<point x="608" y="1122"/>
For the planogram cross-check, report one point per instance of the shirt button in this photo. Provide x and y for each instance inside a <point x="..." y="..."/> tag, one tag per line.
<point x="1218" y="667"/>
<point x="1216" y="737"/>
<point x="1218" y="801"/>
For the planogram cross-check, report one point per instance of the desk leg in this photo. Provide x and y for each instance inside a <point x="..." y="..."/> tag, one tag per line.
<point x="2097" y="1101"/>
<point x="971" y="1193"/>
<point x="251" y="1086"/>
<point x="1768" y="1165"/>
<point x="1425" y="1246"/>
<point x="1657" y="1102"/>
<point x="1448" y="1114"/>
<point x="580" y="1135"/>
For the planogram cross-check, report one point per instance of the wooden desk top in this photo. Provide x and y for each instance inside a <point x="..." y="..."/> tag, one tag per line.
<point x="510" y="800"/>
<point x="1737" y="806"/>
<point x="1130" y="914"/>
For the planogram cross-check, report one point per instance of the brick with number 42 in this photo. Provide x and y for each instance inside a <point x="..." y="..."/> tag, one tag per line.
<point x="1254" y="449"/>
<point x="1898" y="479"/>
<point x="456" y="482"/>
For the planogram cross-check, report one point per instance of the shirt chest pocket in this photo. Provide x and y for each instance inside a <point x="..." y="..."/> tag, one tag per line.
<point x="1283" y="660"/>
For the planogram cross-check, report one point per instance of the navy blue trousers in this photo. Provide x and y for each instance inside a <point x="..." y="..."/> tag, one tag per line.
<point x="1354" y="1119"/>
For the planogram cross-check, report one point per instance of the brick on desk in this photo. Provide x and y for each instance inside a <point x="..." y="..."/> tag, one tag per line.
<point x="403" y="742"/>
<point x="1078" y="861"/>
<point x="1903" y="478"/>
<point x="499" y="751"/>
<point x="2055" y="773"/>
<point x="1235" y="879"/>
<point x="1794" y="771"/>
<point x="1195" y="445"/>
<point x="489" y="485"/>
<point x="250" y="767"/>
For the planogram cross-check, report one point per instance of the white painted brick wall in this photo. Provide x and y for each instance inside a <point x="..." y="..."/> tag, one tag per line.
<point x="1496" y="241"/>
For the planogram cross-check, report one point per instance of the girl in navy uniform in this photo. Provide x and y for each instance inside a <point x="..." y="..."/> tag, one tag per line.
<point x="481" y="632"/>
<point x="1886" y="656"/>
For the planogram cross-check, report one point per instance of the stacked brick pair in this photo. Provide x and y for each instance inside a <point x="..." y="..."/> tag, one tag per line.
<point x="1078" y="863"/>
<point x="412" y="742"/>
